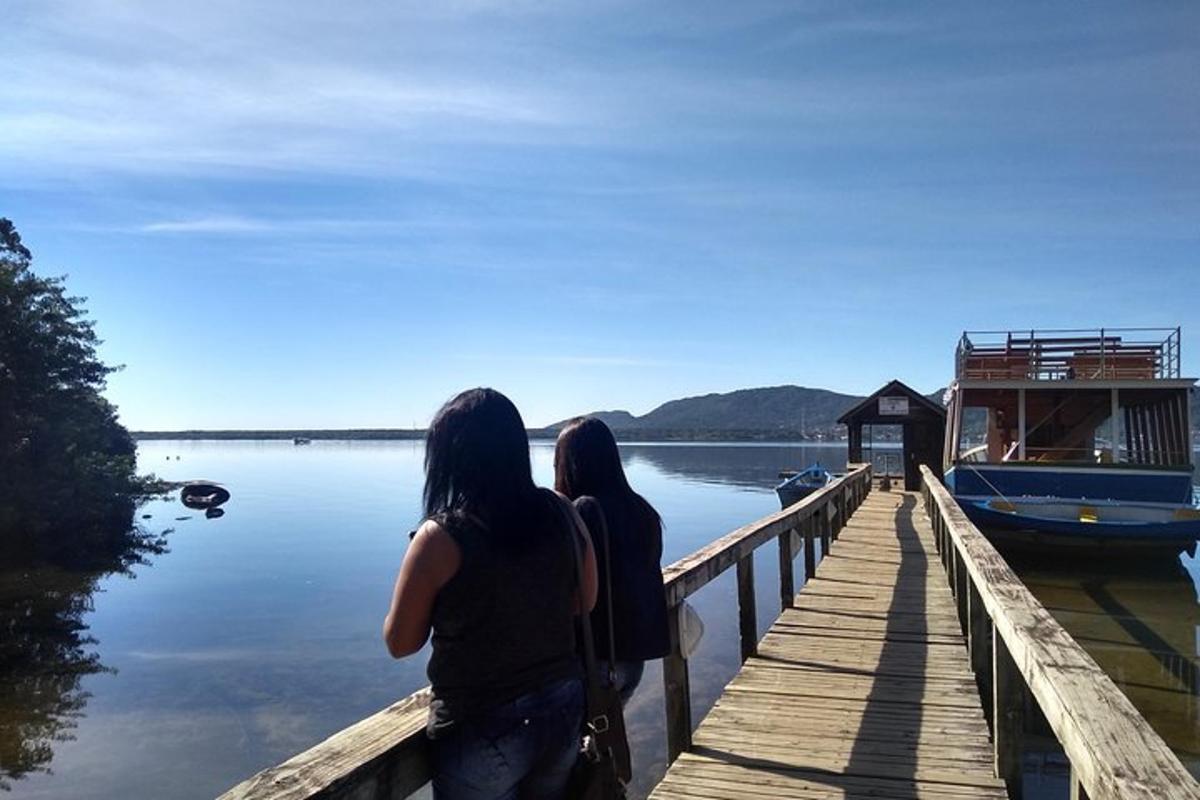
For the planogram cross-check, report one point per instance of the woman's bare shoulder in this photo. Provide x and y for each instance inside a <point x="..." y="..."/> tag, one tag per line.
<point x="432" y="540"/>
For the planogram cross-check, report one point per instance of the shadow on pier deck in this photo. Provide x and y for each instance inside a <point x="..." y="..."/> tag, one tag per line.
<point x="864" y="687"/>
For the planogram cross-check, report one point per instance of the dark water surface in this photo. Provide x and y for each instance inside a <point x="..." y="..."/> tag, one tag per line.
<point x="258" y="634"/>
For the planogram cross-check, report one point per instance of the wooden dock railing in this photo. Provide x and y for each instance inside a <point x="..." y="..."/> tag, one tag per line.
<point x="385" y="756"/>
<point x="1017" y="649"/>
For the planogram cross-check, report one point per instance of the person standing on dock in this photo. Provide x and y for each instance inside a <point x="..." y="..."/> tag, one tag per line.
<point x="492" y="573"/>
<point x="587" y="469"/>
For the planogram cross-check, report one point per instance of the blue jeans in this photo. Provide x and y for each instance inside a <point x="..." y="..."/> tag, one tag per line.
<point x="627" y="674"/>
<point x="524" y="748"/>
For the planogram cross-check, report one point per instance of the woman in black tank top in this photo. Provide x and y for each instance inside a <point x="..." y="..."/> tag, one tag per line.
<point x="587" y="469"/>
<point x="491" y="574"/>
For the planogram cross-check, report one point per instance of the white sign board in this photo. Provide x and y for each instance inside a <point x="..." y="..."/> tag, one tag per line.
<point x="893" y="406"/>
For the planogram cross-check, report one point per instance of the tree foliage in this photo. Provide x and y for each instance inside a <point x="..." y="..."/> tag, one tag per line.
<point x="68" y="482"/>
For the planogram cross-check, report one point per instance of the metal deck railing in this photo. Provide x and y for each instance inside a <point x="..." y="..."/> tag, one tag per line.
<point x="1069" y="354"/>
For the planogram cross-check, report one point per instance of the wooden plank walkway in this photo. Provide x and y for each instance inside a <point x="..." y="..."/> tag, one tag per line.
<point x="863" y="689"/>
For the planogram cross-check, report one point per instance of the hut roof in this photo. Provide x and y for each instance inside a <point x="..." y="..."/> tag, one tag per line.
<point x="870" y="412"/>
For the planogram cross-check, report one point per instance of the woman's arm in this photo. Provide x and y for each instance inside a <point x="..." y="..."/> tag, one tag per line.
<point x="431" y="561"/>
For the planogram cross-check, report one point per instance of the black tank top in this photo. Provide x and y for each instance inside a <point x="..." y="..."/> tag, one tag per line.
<point x="503" y="625"/>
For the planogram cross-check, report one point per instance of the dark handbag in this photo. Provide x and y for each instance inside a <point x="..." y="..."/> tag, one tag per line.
<point x="604" y="765"/>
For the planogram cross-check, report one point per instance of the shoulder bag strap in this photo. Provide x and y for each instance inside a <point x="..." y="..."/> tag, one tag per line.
<point x="567" y="516"/>
<point x="606" y="541"/>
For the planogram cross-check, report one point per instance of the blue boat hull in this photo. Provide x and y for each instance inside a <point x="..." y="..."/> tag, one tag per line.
<point x="982" y="515"/>
<point x="1040" y="505"/>
<point x="1132" y="484"/>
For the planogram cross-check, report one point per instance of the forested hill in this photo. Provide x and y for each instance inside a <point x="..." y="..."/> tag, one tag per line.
<point x="775" y="410"/>
<point x="784" y="412"/>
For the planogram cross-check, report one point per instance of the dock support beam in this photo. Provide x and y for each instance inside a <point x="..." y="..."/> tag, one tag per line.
<point x="810" y="555"/>
<point x="787" y="579"/>
<point x="747" y="618"/>
<point x="677" y="689"/>
<point x="1008" y="715"/>
<point x="826" y="531"/>
<point x="979" y="641"/>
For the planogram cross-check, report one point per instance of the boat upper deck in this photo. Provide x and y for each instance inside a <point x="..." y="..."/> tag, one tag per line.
<point x="1104" y="354"/>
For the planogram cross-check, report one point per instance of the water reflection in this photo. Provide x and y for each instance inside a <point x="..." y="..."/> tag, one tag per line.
<point x="259" y="635"/>
<point x="45" y="648"/>
<point x="1139" y="621"/>
<point x="747" y="466"/>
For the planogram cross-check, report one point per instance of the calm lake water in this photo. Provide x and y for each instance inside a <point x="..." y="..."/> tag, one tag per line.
<point x="258" y="633"/>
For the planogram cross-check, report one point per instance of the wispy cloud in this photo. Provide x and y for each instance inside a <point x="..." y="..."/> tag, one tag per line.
<point x="209" y="225"/>
<point x="151" y="88"/>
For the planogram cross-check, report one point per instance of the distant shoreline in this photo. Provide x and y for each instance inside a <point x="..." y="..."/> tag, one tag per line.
<point x="410" y="434"/>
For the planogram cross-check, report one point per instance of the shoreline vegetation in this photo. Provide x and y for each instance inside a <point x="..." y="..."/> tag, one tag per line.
<point x="69" y="485"/>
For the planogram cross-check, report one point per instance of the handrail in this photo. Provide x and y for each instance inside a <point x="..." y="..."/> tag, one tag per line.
<point x="1080" y="354"/>
<point x="1017" y="647"/>
<point x="822" y="513"/>
<point x="385" y="756"/>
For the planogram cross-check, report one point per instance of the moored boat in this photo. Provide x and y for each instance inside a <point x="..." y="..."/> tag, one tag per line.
<point x="802" y="484"/>
<point x="1073" y="438"/>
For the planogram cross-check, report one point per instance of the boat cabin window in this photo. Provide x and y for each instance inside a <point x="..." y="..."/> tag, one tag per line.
<point x="1070" y="424"/>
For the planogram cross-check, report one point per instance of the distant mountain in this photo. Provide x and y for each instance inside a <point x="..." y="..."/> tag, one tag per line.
<point x="617" y="420"/>
<point x="782" y="408"/>
<point x="787" y="411"/>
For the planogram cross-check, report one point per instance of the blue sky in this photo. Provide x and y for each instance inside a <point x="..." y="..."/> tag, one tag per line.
<point x="337" y="215"/>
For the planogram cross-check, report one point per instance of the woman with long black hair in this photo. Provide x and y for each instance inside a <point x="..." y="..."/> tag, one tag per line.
<point x="492" y="573"/>
<point x="588" y="464"/>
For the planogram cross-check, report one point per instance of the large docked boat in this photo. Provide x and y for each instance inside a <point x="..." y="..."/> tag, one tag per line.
<point x="1073" y="438"/>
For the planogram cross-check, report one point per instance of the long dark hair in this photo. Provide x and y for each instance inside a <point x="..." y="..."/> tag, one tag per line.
<point x="587" y="462"/>
<point x="477" y="460"/>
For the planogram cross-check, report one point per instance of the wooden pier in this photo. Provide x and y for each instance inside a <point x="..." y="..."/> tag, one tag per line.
<point x="906" y="666"/>
<point x="862" y="688"/>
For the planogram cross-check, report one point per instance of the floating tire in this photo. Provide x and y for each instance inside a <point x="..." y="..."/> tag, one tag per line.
<point x="200" y="496"/>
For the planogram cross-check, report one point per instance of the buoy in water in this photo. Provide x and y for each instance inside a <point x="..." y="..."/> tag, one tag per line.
<point x="203" y="494"/>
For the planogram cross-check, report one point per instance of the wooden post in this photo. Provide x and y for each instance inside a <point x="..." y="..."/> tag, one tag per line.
<point x="935" y="522"/>
<point x="948" y="549"/>
<point x="961" y="581"/>
<point x="787" y="580"/>
<point x="747" y="621"/>
<point x="677" y="690"/>
<point x="810" y="544"/>
<point x="952" y="572"/>
<point x="826" y="530"/>
<point x="1008" y="715"/>
<point x="980" y="643"/>
<point x="842" y="505"/>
